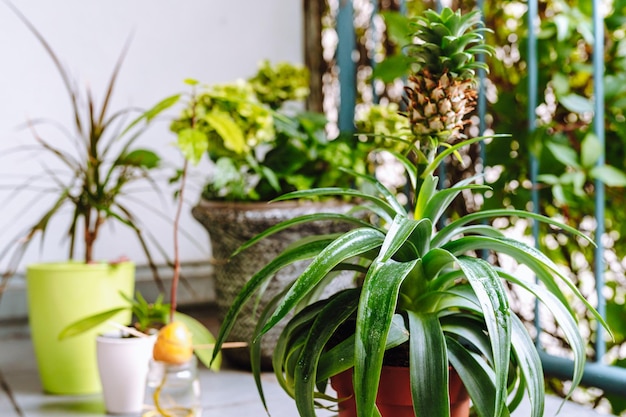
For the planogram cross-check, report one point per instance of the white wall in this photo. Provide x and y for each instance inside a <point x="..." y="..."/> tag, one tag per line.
<point x="209" y="40"/>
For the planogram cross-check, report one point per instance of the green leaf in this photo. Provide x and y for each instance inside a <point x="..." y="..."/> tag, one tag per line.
<point x="563" y="28"/>
<point x="291" y="336"/>
<point x="390" y="198"/>
<point x="495" y="307"/>
<point x="341" y="357"/>
<point x="609" y="175"/>
<point x="560" y="83"/>
<point x="478" y="382"/>
<point x="161" y="106"/>
<point x="228" y="130"/>
<point x="392" y="68"/>
<point x="565" y="319"/>
<point x="542" y="266"/>
<point x="153" y="112"/>
<point x="350" y="244"/>
<point x="548" y="179"/>
<point x="376" y="308"/>
<point x="428" y="366"/>
<point x="420" y="238"/>
<point x="88" y="323"/>
<point x="387" y="210"/>
<point x="564" y="154"/>
<point x="529" y="365"/>
<point x="439" y="202"/>
<point x="452" y="149"/>
<point x="451" y="230"/>
<point x="470" y="329"/>
<point x="398" y="27"/>
<point x="538" y="262"/>
<point x="256" y="344"/>
<point x="290" y="255"/>
<point x="591" y="150"/>
<point x="576" y="103"/>
<point x="306" y="218"/>
<point x="202" y="337"/>
<point x="426" y="192"/>
<point x="409" y="167"/>
<point x="435" y="261"/>
<point x="457" y="296"/>
<point x="338" y="309"/>
<point x="397" y="235"/>
<point x="193" y="143"/>
<point x="140" y="158"/>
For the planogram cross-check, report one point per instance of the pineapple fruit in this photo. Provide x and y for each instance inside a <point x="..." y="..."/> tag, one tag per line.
<point x="441" y="90"/>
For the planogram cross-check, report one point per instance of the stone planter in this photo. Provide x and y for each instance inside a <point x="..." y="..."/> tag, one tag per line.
<point x="232" y="224"/>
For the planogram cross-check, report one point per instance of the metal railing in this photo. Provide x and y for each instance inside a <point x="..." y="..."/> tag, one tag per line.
<point x="609" y="378"/>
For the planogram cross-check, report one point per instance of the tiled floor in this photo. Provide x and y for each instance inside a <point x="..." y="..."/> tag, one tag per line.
<point x="229" y="393"/>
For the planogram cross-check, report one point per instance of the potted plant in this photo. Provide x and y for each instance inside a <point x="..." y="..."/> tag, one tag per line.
<point x="124" y="353"/>
<point x="262" y="144"/>
<point x="98" y="162"/>
<point x="427" y="304"/>
<point x="151" y="367"/>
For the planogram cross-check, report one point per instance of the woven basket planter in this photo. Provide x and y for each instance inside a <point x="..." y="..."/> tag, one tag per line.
<point x="232" y="224"/>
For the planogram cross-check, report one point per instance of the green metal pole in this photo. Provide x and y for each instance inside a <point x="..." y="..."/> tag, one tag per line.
<point x="598" y="123"/>
<point x="347" y="67"/>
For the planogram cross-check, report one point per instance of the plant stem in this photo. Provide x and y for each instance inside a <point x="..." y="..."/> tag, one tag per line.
<point x="179" y="209"/>
<point x="156" y="397"/>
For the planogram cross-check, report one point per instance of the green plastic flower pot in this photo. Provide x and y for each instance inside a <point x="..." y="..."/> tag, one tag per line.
<point x="59" y="294"/>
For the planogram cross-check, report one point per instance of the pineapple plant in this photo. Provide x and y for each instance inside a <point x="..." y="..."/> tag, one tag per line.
<point x="441" y="89"/>
<point x="422" y="292"/>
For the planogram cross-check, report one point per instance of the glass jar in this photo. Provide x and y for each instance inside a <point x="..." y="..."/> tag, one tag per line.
<point x="172" y="390"/>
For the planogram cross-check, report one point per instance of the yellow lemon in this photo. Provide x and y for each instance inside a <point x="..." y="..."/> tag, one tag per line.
<point x="173" y="344"/>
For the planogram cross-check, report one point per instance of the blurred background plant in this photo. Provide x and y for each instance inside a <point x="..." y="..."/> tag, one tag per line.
<point x="260" y="139"/>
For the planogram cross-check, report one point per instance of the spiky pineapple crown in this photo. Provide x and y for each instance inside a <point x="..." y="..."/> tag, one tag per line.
<point x="441" y="90"/>
<point x="449" y="42"/>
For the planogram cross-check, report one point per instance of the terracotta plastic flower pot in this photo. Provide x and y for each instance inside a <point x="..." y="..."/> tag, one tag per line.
<point x="394" y="394"/>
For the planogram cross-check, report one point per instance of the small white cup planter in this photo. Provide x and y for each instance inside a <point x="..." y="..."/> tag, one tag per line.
<point x="123" y="366"/>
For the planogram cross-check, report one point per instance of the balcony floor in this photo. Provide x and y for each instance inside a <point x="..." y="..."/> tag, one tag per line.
<point x="229" y="393"/>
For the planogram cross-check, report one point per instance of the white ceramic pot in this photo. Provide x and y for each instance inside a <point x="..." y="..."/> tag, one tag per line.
<point x="123" y="366"/>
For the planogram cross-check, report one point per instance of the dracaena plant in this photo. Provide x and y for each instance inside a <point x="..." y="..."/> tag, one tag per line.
<point x="99" y="164"/>
<point x="420" y="283"/>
